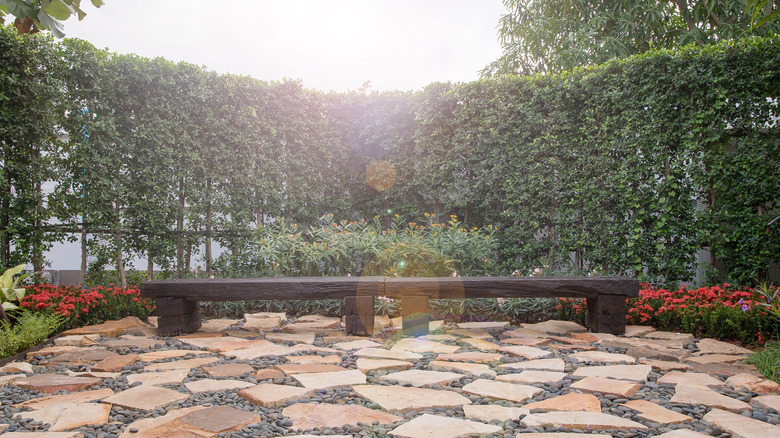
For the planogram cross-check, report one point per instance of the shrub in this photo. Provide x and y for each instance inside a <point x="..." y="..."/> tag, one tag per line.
<point x="87" y="306"/>
<point x="30" y="329"/>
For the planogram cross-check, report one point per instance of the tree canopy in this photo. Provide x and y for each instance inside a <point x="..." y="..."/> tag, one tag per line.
<point x="33" y="16"/>
<point x="541" y="36"/>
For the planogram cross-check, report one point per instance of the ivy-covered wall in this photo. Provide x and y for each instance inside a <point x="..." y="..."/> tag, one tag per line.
<point x="630" y="167"/>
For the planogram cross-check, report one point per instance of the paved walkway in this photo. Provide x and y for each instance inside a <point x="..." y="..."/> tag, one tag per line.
<point x="268" y="375"/>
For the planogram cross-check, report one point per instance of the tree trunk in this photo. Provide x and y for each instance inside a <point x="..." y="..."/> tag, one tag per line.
<point x="5" y="221"/>
<point x="179" y="229"/>
<point x="149" y="262"/>
<point x="83" y="271"/>
<point x="37" y="258"/>
<point x="120" y="266"/>
<point x="208" y="229"/>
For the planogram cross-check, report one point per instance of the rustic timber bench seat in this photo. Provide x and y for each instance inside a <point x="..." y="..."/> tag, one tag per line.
<point x="178" y="307"/>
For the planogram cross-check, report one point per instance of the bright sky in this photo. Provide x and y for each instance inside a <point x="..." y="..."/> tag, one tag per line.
<point x="328" y="44"/>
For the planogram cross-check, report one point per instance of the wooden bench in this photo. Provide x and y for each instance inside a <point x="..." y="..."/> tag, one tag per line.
<point x="178" y="307"/>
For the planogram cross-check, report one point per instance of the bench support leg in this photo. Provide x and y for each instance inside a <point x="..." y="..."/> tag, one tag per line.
<point x="359" y="315"/>
<point x="607" y="314"/>
<point x="176" y="316"/>
<point x="414" y="310"/>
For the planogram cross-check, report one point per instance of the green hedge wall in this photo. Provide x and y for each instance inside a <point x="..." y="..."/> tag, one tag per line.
<point x="630" y="167"/>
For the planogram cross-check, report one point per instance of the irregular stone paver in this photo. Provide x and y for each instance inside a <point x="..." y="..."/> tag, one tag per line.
<point x="702" y="395"/>
<point x="665" y="365"/>
<point x="297" y="338"/>
<point x="270" y="395"/>
<point x="303" y="368"/>
<point x="268" y="373"/>
<point x="750" y="382"/>
<point x="472" y="333"/>
<point x="270" y="349"/>
<point x="210" y="385"/>
<point x="49" y="383"/>
<point x="83" y="356"/>
<point x="116" y="363"/>
<point x="502" y="390"/>
<point x="355" y="345"/>
<point x="563" y="435"/>
<point x="43" y="435"/>
<point x="533" y="342"/>
<point x="713" y="346"/>
<point x="111" y="329"/>
<point x="638" y="330"/>
<point x="767" y="402"/>
<point x="580" y="420"/>
<point x="714" y="358"/>
<point x="401" y="398"/>
<point x="532" y="376"/>
<point x="488" y="413"/>
<point x="485" y="325"/>
<point x="422" y="346"/>
<point x="66" y="399"/>
<point x="525" y="351"/>
<point x="77" y="340"/>
<point x="440" y="337"/>
<point x="422" y="378"/>
<point x="309" y="327"/>
<point x="330" y="379"/>
<point x="656" y="413"/>
<point x="365" y="365"/>
<point x="569" y="402"/>
<point x="741" y="426"/>
<point x="140" y="427"/>
<point x="11" y="378"/>
<point x="217" y="325"/>
<point x="185" y="364"/>
<point x="17" y="367"/>
<point x="262" y="324"/>
<point x="131" y="342"/>
<point x="81" y="414"/>
<point x="556" y="327"/>
<point x="223" y="343"/>
<point x="313" y="358"/>
<point x="470" y="357"/>
<point x="562" y="347"/>
<point x="469" y="369"/>
<point x="381" y="353"/>
<point x="538" y="364"/>
<point x="634" y="373"/>
<point x="167" y="354"/>
<point x="640" y="348"/>
<point x="323" y="321"/>
<point x="322" y="415"/>
<point x="481" y="344"/>
<point x="218" y="419"/>
<point x="670" y="336"/>
<point x="683" y="433"/>
<point x="675" y="377"/>
<point x="229" y="370"/>
<point x="435" y="426"/>
<point x="602" y="356"/>
<point x="728" y="369"/>
<point x="601" y="385"/>
<point x="263" y="315"/>
<point x="51" y="351"/>
<point x="145" y="397"/>
<point x="171" y="377"/>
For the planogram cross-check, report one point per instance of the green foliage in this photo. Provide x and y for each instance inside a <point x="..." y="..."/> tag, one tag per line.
<point x="28" y="330"/>
<point x="9" y="292"/>
<point x="33" y="16"/>
<point x="559" y="35"/>
<point x="767" y="361"/>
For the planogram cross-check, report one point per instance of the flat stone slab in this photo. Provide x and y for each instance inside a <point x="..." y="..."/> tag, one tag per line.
<point x="403" y="399"/>
<point x="469" y="369"/>
<point x="420" y="378"/>
<point x="262" y="324"/>
<point x="532" y="376"/>
<point x="488" y="413"/>
<point x="116" y="363"/>
<point x="684" y="338"/>
<point x="440" y="337"/>
<point x="745" y="381"/>
<point x="569" y="402"/>
<point x="145" y="397"/>
<point x="664" y="365"/>
<point x="601" y="385"/>
<point x="308" y="327"/>
<point x="728" y="369"/>
<point x="435" y="426"/>
<point x="634" y="373"/>
<point x="214" y="420"/>
<point x="740" y="426"/>
<point x="270" y="395"/>
<point x="471" y="356"/>
<point x="538" y="364"/>
<point x="268" y="373"/>
<point x="303" y="368"/>
<point x="17" y="367"/>
<point x="295" y="338"/>
<point x="229" y="370"/>
<point x="702" y="395"/>
<point x="675" y="377"/>
<point x="222" y="343"/>
<point x="481" y="344"/>
<point x="83" y="356"/>
<point x="485" y="325"/>
<point x="563" y="435"/>
<point x="269" y="349"/>
<point x="525" y="351"/>
<point x="365" y="365"/>
<point x="601" y="356"/>
<point x="51" y="351"/>
<point x="111" y="329"/>
<point x="356" y="344"/>
<point x="77" y="340"/>
<point x="131" y="342"/>
<point x="170" y="377"/>
<point x="217" y="325"/>
<point x="330" y="379"/>
<point x="555" y="327"/>
<point x="81" y="414"/>
<point x="713" y="346"/>
<point x="49" y="383"/>
<point x="140" y="427"/>
<point x="656" y="413"/>
<point x="472" y="333"/>
<point x="167" y="354"/>
<point x="381" y="353"/>
<point x="638" y="330"/>
<point x="43" y="435"/>
<point x="683" y="433"/>
<point x="11" y="378"/>
<point x="767" y="402"/>
<point x="502" y="390"/>
<point x="263" y="315"/>
<point x="580" y="420"/>
<point x="185" y="364"/>
<point x="52" y="401"/>
<point x="715" y="358"/>
<point x="314" y="358"/>
<point x="422" y="346"/>
<point x="214" y="385"/>
<point x="306" y="416"/>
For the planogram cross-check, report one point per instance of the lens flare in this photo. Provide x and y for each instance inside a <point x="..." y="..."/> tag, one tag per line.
<point x="380" y="175"/>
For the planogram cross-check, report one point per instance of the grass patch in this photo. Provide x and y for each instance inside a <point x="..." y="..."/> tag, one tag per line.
<point x="29" y="330"/>
<point x="768" y="361"/>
